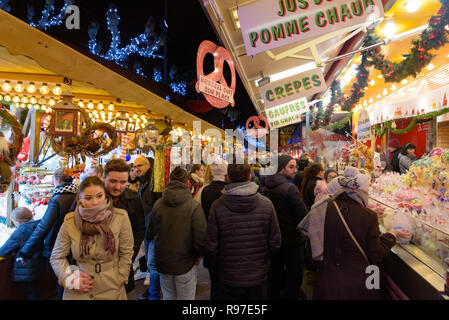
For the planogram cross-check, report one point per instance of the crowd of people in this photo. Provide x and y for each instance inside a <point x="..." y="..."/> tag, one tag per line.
<point x="255" y="234"/>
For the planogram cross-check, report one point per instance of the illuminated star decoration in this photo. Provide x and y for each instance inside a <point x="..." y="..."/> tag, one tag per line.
<point x="145" y="44"/>
<point x="48" y="18"/>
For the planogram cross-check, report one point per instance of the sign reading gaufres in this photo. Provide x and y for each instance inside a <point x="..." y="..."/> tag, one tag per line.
<point x="292" y="88"/>
<point x="287" y="113"/>
<point x="268" y="24"/>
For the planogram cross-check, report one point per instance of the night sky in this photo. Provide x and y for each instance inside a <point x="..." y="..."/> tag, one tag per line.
<point x="187" y="27"/>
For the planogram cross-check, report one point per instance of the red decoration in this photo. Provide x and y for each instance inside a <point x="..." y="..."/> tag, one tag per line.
<point x="257" y="131"/>
<point x="220" y="56"/>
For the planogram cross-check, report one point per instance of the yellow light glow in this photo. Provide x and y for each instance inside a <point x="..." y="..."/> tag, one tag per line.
<point x="15" y="99"/>
<point x="31" y="88"/>
<point x="57" y="90"/>
<point x="51" y="102"/>
<point x="19" y="87"/>
<point x="404" y="81"/>
<point x="6" y="86"/>
<point x="111" y="107"/>
<point x="393" y="87"/>
<point x="33" y="100"/>
<point x="430" y="67"/>
<point x="90" y="105"/>
<point x="7" y="98"/>
<point x="44" y="89"/>
<point x="100" y="106"/>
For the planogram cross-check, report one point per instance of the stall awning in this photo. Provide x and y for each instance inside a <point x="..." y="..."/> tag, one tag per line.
<point x="37" y="53"/>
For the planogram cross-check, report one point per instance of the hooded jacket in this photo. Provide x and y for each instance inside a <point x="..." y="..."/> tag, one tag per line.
<point x="178" y="226"/>
<point x="241" y="231"/>
<point x="405" y="161"/>
<point x="48" y="227"/>
<point x="146" y="193"/>
<point x="34" y="267"/>
<point x="395" y="160"/>
<point x="290" y="209"/>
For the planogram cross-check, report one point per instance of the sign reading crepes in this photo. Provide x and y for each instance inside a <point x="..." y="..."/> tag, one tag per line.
<point x="287" y="113"/>
<point x="293" y="88"/>
<point x="216" y="89"/>
<point x="269" y="24"/>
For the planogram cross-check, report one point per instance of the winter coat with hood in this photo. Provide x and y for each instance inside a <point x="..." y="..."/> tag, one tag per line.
<point x="290" y="209"/>
<point x="394" y="161"/>
<point x="178" y="226"/>
<point x="110" y="272"/>
<point x="405" y="161"/>
<point x="47" y="229"/>
<point x="241" y="231"/>
<point x="35" y="266"/>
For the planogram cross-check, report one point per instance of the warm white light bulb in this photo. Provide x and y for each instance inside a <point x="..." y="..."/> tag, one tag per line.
<point x="111" y="107"/>
<point x="6" y="86"/>
<point x="57" y="90"/>
<point x="19" y="87"/>
<point x="412" y="5"/>
<point x="44" y="89"/>
<point x="389" y="29"/>
<point x="31" y="88"/>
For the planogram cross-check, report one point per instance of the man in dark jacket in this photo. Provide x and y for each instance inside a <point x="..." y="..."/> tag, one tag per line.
<point x="209" y="194"/>
<point x="148" y="196"/>
<point x="116" y="175"/>
<point x="178" y="227"/>
<point x="394" y="147"/>
<point x="48" y="227"/>
<point x="28" y="273"/>
<point x="241" y="231"/>
<point x="286" y="265"/>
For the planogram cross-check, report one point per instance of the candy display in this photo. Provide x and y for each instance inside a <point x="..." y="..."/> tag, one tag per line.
<point x="35" y="190"/>
<point x="417" y="202"/>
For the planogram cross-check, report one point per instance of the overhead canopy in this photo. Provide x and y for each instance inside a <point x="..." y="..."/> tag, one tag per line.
<point x="25" y="51"/>
<point x="303" y="55"/>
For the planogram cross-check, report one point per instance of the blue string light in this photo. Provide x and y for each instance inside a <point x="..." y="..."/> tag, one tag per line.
<point x="157" y="76"/>
<point x="4" y="5"/>
<point x="48" y="18"/>
<point x="179" y="87"/>
<point x="141" y="45"/>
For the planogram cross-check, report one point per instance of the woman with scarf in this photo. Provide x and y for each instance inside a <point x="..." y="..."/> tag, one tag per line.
<point x="196" y="180"/>
<point x="406" y="157"/>
<point x="341" y="264"/>
<point x="100" y="239"/>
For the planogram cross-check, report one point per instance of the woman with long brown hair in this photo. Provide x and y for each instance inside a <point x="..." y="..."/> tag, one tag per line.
<point x="100" y="239"/>
<point x="312" y="174"/>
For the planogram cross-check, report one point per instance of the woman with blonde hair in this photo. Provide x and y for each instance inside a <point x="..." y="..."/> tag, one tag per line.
<point x="99" y="237"/>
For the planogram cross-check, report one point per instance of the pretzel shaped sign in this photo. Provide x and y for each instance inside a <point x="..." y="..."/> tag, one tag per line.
<point x="257" y="131"/>
<point x="214" y="85"/>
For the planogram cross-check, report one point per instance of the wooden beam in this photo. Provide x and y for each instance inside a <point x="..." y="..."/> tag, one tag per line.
<point x="34" y="134"/>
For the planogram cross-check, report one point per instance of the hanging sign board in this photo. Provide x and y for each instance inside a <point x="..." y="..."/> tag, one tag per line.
<point x="363" y="126"/>
<point x="269" y="24"/>
<point x="287" y="113"/>
<point x="293" y="88"/>
<point x="213" y="85"/>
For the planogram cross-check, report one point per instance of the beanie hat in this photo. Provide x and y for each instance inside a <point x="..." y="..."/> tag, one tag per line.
<point x="394" y="143"/>
<point x="179" y="174"/>
<point x="21" y="214"/>
<point x="219" y="170"/>
<point x="283" y="160"/>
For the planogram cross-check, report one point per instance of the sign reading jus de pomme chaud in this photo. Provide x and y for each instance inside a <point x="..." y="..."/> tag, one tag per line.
<point x="286" y="113"/>
<point x="292" y="88"/>
<point x="269" y="24"/>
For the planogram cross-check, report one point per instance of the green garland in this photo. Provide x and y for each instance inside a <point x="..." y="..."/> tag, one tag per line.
<point x="340" y="123"/>
<point x="434" y="37"/>
<point x="388" y="124"/>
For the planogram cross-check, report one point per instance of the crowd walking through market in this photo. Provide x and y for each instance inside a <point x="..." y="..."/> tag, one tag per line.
<point x="305" y="232"/>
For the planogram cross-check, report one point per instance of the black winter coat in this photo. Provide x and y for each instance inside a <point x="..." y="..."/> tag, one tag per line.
<point x="146" y="193"/>
<point x="178" y="227"/>
<point x="211" y="193"/>
<point x="35" y="266"/>
<point x="309" y="192"/>
<point x="241" y="231"/>
<point x="48" y="228"/>
<point x="129" y="200"/>
<point x="290" y="208"/>
<point x="342" y="274"/>
<point x="395" y="160"/>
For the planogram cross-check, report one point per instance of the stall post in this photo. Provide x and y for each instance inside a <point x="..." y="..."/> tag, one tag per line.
<point x="307" y="131"/>
<point x="34" y="133"/>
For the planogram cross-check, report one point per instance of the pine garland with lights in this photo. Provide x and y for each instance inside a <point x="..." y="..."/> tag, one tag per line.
<point x="432" y="38"/>
<point x="381" y="130"/>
